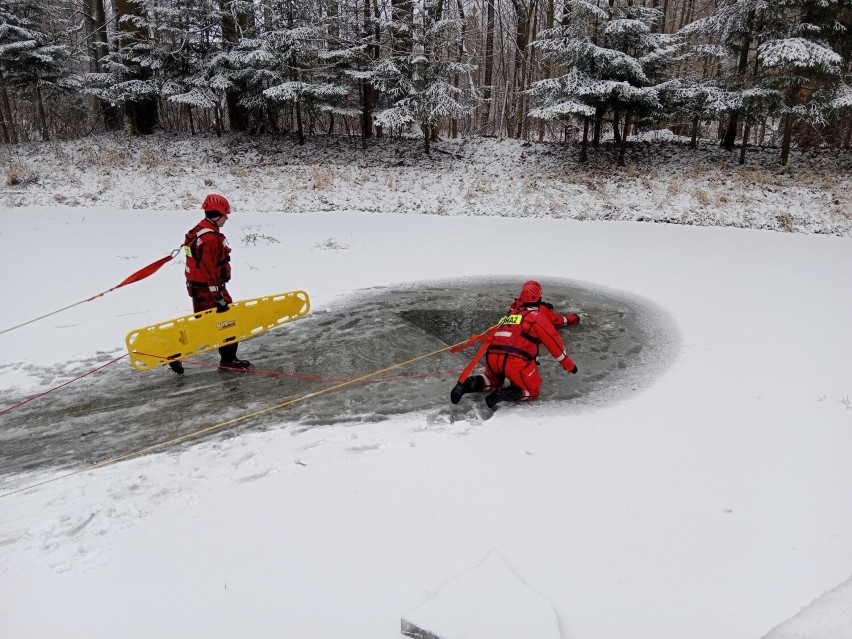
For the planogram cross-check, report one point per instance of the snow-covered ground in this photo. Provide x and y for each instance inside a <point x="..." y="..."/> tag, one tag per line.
<point x="714" y="503"/>
<point x="662" y="181"/>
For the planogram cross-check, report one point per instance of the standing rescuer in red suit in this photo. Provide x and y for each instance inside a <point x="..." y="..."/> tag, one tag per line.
<point x="513" y="349"/>
<point x="208" y="270"/>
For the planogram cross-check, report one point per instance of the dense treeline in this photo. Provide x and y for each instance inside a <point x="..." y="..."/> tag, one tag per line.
<point x="747" y="71"/>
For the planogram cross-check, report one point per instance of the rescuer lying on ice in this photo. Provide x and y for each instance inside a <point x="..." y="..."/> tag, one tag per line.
<point x="512" y="348"/>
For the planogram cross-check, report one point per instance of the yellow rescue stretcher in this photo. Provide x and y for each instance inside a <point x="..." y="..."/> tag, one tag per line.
<point x="190" y="335"/>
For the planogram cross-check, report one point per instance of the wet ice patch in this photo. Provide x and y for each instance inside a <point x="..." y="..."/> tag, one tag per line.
<point x="621" y="345"/>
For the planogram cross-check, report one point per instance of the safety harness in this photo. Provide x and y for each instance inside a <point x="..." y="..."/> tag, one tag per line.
<point x="195" y="270"/>
<point x="513" y="332"/>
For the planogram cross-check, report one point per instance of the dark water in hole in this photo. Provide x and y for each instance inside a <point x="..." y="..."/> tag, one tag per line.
<point x="621" y="345"/>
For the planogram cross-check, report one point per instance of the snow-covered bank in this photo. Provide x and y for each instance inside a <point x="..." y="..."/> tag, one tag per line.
<point x="663" y="181"/>
<point x="829" y="617"/>
<point x="716" y="503"/>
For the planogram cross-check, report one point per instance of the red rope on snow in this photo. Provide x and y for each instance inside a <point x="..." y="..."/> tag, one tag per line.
<point x="315" y="378"/>
<point x="142" y="273"/>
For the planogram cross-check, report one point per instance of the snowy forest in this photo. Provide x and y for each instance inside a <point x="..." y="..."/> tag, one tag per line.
<point x="744" y="72"/>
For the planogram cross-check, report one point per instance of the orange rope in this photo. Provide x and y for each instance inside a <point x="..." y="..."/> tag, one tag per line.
<point x="220" y="425"/>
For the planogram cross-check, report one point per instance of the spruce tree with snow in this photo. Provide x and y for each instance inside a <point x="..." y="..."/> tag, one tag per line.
<point x="726" y="37"/>
<point x="310" y="60"/>
<point x="782" y="57"/>
<point x="129" y="72"/>
<point x="613" y="57"/>
<point x="187" y="35"/>
<point x="32" y="62"/>
<point x="695" y="99"/>
<point x="806" y="55"/>
<point x="418" y="84"/>
<point x="841" y="104"/>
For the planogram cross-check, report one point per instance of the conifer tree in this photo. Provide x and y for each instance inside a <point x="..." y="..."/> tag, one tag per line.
<point x="310" y="63"/>
<point x="804" y="58"/>
<point x="128" y="77"/>
<point x="419" y="84"/>
<point x="31" y="61"/>
<point x="778" y="58"/>
<point x="186" y="36"/>
<point x="614" y="58"/>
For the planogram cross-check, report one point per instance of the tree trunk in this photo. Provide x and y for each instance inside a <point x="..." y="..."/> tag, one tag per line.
<point x="366" y="114"/>
<point x="454" y="130"/>
<point x="549" y="21"/>
<point x="686" y="13"/>
<point x="502" y="122"/>
<point x="526" y="74"/>
<point x="584" y="147"/>
<point x="368" y="92"/>
<point x="3" y="129"/>
<point x="742" y="67"/>
<point x="236" y="26"/>
<point x="616" y="134"/>
<point x="599" y="113"/>
<point x="623" y="148"/>
<point x="402" y="11"/>
<point x="730" y="136"/>
<point x="42" y="117"/>
<point x="10" y="133"/>
<point x="785" y="141"/>
<point x="141" y="113"/>
<point x="848" y="142"/>
<point x="488" y="76"/>
<point x="299" y="131"/>
<point x="217" y="114"/>
<point x="98" y="48"/>
<point x="100" y="36"/>
<point x="693" y="143"/>
<point x="518" y="77"/>
<point x="746" y="133"/>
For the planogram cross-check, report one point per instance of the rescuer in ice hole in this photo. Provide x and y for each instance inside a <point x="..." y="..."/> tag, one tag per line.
<point x="512" y="351"/>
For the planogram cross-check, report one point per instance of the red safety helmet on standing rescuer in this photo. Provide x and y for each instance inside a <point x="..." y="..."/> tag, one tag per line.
<point x="216" y="202"/>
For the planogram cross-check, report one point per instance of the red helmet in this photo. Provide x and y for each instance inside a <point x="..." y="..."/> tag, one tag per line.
<point x="216" y="202"/>
<point x="530" y="293"/>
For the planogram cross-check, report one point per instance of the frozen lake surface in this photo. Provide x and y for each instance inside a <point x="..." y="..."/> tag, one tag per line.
<point x="621" y="345"/>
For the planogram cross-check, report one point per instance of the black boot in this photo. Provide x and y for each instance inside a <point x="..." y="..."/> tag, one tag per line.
<point x="475" y="384"/>
<point x="236" y="365"/>
<point x="177" y="368"/>
<point x="506" y="394"/>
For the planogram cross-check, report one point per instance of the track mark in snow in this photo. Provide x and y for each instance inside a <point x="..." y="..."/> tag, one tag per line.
<point x="73" y="532"/>
<point x="10" y="540"/>
<point x="256" y="476"/>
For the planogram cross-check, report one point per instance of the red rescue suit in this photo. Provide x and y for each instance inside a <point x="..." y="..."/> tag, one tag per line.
<point x="514" y="348"/>
<point x="547" y="310"/>
<point x="208" y="267"/>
